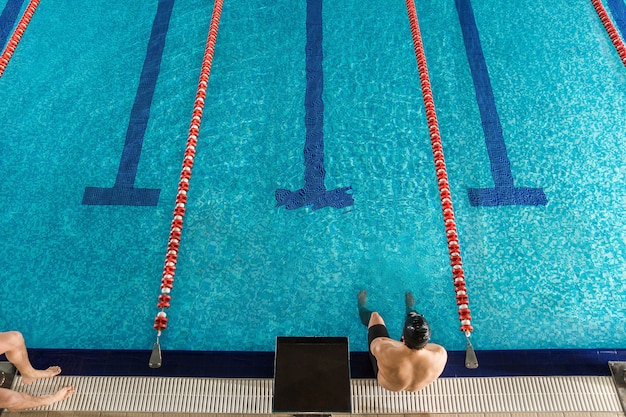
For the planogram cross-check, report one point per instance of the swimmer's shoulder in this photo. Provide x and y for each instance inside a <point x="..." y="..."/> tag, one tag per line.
<point x="438" y="356"/>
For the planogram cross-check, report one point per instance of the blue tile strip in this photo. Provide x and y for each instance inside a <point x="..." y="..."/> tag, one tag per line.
<point x="618" y="10"/>
<point x="314" y="191"/>
<point x="8" y="18"/>
<point x="548" y="362"/>
<point x="123" y="192"/>
<point x="504" y="193"/>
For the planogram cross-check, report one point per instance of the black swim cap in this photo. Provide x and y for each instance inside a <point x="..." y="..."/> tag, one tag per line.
<point x="416" y="331"/>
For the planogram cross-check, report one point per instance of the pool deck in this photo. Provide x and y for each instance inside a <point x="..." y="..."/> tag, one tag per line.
<point x="544" y="389"/>
<point x="104" y="414"/>
<point x="502" y="396"/>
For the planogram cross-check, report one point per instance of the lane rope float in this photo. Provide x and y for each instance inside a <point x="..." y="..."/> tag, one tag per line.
<point x="15" y="38"/>
<point x="454" y="249"/>
<point x="171" y="257"/>
<point x="618" y="43"/>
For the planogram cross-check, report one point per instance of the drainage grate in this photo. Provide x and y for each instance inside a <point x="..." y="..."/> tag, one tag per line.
<point x="176" y="395"/>
<point x="491" y="395"/>
<point x="254" y="396"/>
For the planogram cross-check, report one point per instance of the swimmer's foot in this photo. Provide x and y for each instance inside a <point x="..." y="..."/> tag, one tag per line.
<point x="35" y="374"/>
<point x="410" y="301"/>
<point x="362" y="298"/>
<point x="60" y="395"/>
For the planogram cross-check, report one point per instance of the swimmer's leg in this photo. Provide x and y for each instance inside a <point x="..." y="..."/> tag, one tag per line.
<point x="13" y="346"/>
<point x="16" y="401"/>
<point x="410" y="302"/>
<point x="364" y="313"/>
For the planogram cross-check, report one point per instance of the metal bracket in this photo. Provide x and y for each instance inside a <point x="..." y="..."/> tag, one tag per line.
<point x="155" y="356"/>
<point x="7" y="374"/>
<point x="471" y="362"/>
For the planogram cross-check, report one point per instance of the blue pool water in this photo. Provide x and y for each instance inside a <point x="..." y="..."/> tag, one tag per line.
<point x="544" y="275"/>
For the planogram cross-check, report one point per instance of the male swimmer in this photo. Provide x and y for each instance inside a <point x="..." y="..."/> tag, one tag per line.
<point x="406" y="365"/>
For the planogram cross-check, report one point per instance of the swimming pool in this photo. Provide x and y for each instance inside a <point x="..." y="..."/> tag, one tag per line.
<point x="83" y="273"/>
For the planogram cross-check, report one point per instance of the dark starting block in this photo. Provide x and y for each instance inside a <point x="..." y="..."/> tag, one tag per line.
<point x="312" y="375"/>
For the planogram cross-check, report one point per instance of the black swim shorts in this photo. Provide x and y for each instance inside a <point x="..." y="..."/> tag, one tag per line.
<point x="374" y="332"/>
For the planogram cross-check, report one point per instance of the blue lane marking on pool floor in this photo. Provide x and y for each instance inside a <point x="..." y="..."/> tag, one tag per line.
<point x="123" y="192"/>
<point x="314" y="191"/>
<point x="8" y="18"/>
<point x="618" y="10"/>
<point x="504" y="193"/>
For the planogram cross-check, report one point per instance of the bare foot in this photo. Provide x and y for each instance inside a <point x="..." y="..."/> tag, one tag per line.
<point x="60" y="395"/>
<point x="37" y="374"/>
<point x="63" y="393"/>
<point x="362" y="298"/>
<point x="409" y="300"/>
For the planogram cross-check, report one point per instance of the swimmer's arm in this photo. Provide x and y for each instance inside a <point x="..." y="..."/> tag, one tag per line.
<point x="438" y="364"/>
<point x="382" y="346"/>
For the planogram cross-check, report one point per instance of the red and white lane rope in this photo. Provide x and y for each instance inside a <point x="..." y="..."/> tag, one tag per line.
<point x="169" y="269"/>
<point x="17" y="35"/>
<point x="610" y="29"/>
<point x="442" y="176"/>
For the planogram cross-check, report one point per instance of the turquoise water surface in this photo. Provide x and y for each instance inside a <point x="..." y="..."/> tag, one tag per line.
<point x="87" y="276"/>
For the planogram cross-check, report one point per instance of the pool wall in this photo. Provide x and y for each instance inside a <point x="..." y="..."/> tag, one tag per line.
<point x="537" y="362"/>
